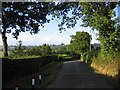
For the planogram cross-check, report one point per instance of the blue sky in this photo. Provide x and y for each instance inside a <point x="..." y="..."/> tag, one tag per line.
<point x="51" y="35"/>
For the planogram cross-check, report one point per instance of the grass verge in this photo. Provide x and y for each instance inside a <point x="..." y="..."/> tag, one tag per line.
<point x="49" y="73"/>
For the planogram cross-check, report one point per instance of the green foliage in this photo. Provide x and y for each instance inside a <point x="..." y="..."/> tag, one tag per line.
<point x="98" y="15"/>
<point x="46" y="49"/>
<point x="18" y="51"/>
<point x="22" y="51"/>
<point x="40" y="50"/>
<point x="71" y="52"/>
<point x="61" y="50"/>
<point x="80" y="44"/>
<point x="34" y="51"/>
<point x="107" y="64"/>
<point x="108" y="31"/>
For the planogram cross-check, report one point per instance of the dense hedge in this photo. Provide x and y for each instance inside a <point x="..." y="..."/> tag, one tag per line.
<point x="15" y="68"/>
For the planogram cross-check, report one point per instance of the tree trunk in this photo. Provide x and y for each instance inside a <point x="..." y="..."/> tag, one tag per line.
<point x="5" y="46"/>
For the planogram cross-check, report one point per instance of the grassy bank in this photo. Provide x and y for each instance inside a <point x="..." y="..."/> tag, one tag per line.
<point x="107" y="67"/>
<point x="49" y="74"/>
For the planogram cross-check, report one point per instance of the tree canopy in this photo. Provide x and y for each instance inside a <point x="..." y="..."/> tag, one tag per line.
<point x="23" y="16"/>
<point x="80" y="43"/>
<point x="101" y="17"/>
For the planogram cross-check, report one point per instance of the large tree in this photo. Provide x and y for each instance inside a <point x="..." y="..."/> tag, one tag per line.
<point x="80" y="43"/>
<point x="21" y="17"/>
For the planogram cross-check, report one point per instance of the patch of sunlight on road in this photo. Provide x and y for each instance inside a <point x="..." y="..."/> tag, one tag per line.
<point x="72" y="61"/>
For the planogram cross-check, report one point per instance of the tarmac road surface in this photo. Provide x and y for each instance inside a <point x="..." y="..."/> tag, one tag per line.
<point x="76" y="74"/>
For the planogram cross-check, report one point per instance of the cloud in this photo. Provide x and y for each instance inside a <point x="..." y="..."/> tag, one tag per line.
<point x="27" y="37"/>
<point x="47" y="39"/>
<point x="37" y="39"/>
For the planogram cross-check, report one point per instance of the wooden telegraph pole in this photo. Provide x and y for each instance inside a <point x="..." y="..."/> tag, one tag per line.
<point x="90" y="44"/>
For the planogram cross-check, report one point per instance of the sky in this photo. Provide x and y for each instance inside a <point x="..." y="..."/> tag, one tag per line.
<point x="50" y="34"/>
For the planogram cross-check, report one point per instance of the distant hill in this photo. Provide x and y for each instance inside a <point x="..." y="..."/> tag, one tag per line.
<point x="13" y="46"/>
